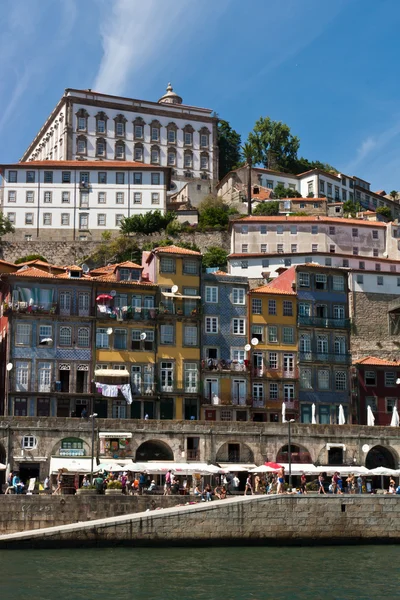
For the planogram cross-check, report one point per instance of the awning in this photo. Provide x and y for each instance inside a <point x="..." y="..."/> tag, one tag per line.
<point x="111" y="373"/>
<point x="237" y="467"/>
<point x="178" y="468"/>
<point x="115" y="434"/>
<point x="71" y="465"/>
<point x="178" y="296"/>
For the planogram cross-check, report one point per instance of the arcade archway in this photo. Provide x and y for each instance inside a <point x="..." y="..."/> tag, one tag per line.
<point x="379" y="456"/>
<point x="154" y="450"/>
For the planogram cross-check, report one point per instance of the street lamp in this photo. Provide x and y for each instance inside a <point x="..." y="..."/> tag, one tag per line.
<point x="92" y="416"/>
<point x="290" y="453"/>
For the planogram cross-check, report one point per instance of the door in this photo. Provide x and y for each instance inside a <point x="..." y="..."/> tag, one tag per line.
<point x="211" y="391"/>
<point x="167" y="408"/>
<point x="191" y="378"/>
<point x="167" y="376"/>
<point x="258" y="364"/>
<point x="65" y="303"/>
<point x="136" y="380"/>
<point x="64" y="380"/>
<point x="239" y="392"/>
<point x="84" y="304"/>
<point x="288" y="365"/>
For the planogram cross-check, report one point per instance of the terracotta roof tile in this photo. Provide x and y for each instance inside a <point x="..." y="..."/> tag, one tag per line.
<point x="283" y="284"/>
<point x="309" y="219"/>
<point x="128" y="264"/>
<point x="263" y="193"/>
<point x="175" y="250"/>
<point x="73" y="268"/>
<point x="376" y="362"/>
<point x="33" y="272"/>
<point x="111" y="278"/>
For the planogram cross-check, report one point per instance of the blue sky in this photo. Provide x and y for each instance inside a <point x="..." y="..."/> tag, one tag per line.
<point x="327" y="68"/>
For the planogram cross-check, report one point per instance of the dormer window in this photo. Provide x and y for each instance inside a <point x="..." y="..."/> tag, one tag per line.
<point x="129" y="274"/>
<point x="74" y="274"/>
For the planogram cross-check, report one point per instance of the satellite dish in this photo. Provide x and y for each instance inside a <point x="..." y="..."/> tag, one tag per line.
<point x="85" y="268"/>
<point x="9" y="366"/>
<point x="109" y="330"/>
<point x="113" y="293"/>
<point x="174" y="289"/>
<point x="365" y="448"/>
<point x="143" y="336"/>
<point x="255" y="341"/>
<point x="247" y="347"/>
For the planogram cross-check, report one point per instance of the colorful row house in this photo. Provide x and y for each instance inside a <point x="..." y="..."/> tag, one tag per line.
<point x="376" y="385"/>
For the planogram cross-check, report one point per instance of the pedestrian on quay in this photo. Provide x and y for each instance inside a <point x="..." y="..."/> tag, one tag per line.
<point x="339" y="484"/>
<point x="257" y="482"/>
<point x="168" y="483"/>
<point x="281" y="481"/>
<point x="46" y="484"/>
<point x="359" y="484"/>
<point x="303" y="482"/>
<point x="236" y="483"/>
<point x="248" y="486"/>
<point x="321" y="489"/>
<point x="142" y="482"/>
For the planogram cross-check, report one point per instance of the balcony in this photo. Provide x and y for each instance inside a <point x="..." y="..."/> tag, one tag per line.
<point x="264" y="372"/>
<point x="225" y="365"/>
<point x="226" y="400"/>
<point x="42" y="308"/>
<point x="193" y="455"/>
<point x="344" y="359"/>
<point x="324" y="323"/>
<point x="190" y="309"/>
<point x="129" y="313"/>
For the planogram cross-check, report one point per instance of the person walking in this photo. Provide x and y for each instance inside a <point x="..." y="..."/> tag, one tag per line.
<point x="257" y="481"/>
<point x="281" y="481"/>
<point x="303" y="482"/>
<point x="321" y="489"/>
<point x="168" y="483"/>
<point x="236" y="483"/>
<point x="248" y="486"/>
<point x="359" y="484"/>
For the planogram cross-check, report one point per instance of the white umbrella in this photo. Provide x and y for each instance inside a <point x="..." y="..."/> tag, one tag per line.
<point x="263" y="469"/>
<point x="395" y="418"/>
<point x="370" y="417"/>
<point x="111" y="467"/>
<point x="283" y="412"/>
<point x="313" y="419"/>
<point x="2" y="467"/>
<point x="383" y="471"/>
<point x="342" y="420"/>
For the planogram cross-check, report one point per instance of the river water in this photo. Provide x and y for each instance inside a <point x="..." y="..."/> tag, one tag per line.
<point x="340" y="572"/>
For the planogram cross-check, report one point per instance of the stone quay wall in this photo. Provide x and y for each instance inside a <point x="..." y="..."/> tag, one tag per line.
<point x="245" y="521"/>
<point x="23" y="513"/>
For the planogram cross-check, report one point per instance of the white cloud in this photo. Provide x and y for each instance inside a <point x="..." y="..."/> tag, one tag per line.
<point x="372" y="147"/>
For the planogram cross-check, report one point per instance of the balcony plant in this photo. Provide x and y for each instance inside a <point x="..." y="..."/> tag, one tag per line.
<point x="89" y="490"/>
<point x="113" y="487"/>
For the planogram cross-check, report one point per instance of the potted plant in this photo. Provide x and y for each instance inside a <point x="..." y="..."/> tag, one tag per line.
<point x="89" y="490"/>
<point x="113" y="487"/>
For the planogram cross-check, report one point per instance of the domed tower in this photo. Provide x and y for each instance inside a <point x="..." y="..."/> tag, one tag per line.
<point x="170" y="97"/>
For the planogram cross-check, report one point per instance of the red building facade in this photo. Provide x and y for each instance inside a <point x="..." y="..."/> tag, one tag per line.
<point x="375" y="385"/>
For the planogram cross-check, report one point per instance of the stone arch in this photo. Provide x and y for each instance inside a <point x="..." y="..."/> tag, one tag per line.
<point x="299" y="454"/>
<point x="154" y="450"/>
<point x="235" y="452"/>
<point x="381" y="456"/>
<point x="66" y="444"/>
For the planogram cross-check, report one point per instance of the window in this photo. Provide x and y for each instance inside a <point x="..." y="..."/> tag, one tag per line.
<point x="167" y="334"/>
<point x="287" y="308"/>
<point x="12" y="196"/>
<point x="304" y="280"/>
<point x="273" y="360"/>
<point x="245" y="248"/>
<point x="120" y="178"/>
<point x="379" y="280"/>
<point x="84" y="199"/>
<point x="322" y="344"/>
<point x="187" y="138"/>
<point x="171" y="136"/>
<point x="323" y="379"/>
<point x="30" y="196"/>
<point x="23" y="335"/>
<point x="272" y="307"/>
<point x="137" y="198"/>
<point x="340" y="381"/>
<point x="305" y="379"/>
<point x="155" y="179"/>
<point x="119" y="198"/>
<point x="273" y="391"/>
<point x="320" y="281"/>
<point x="190" y="335"/>
<point x="155" y="198"/>
<point x="102" y="177"/>
<point x="120" y="339"/>
<point x="171" y="158"/>
<point x="119" y="128"/>
<point x="390" y="404"/>
<point x="279" y="229"/>
<point x="204" y="161"/>
<point x="83" y="221"/>
<point x="288" y="392"/>
<point x="101" y="220"/>
<point x="314" y="247"/>
<point x="65" y="219"/>
<point x="83" y="337"/>
<point x="190" y="267"/>
<point x="272" y="334"/>
<point x="45" y="333"/>
<point x="340" y="344"/>
<point x="238" y="296"/>
<point x="244" y="264"/>
<point x="28" y="218"/>
<point x="314" y="229"/>
<point x="304" y="309"/>
<point x="12" y="176"/>
<point x="167" y="265"/>
<point x="375" y="234"/>
<point x="137" y="178"/>
<point x="139" y="132"/>
<point x="293" y="248"/>
<point x="288" y="335"/>
<point x="11" y="217"/>
<point x="120" y="151"/>
<point x="370" y="378"/>
<point x="256" y="306"/>
<point x="279" y="248"/>
<point x="263" y="229"/>
<point x="354" y="232"/>
<point x="102" y="338"/>
<point x="48" y="177"/>
<point x="257" y="331"/>
<point x="118" y="220"/>
<point x="29" y="442"/>
<point x="360" y="279"/>
<point x="393" y="268"/>
<point x="155" y="156"/>
<point x="65" y="336"/>
<point x="211" y="324"/>
<point x="390" y="378"/>
<point x="101" y="198"/>
<point x="338" y="311"/>
<point x="338" y="283"/>
<point x="238" y="326"/>
<point x="211" y="294"/>
<point x="244" y="229"/>
<point x="48" y="197"/>
<point x="332" y="248"/>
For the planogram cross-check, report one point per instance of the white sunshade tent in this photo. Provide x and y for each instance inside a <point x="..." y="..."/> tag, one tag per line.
<point x="2" y="467"/>
<point x="158" y="468"/>
<point x="384" y="471"/>
<point x="237" y="467"/>
<point x="71" y="465"/>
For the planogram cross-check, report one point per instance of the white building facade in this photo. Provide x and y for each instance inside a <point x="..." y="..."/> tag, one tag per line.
<point x="78" y="200"/>
<point x="87" y="125"/>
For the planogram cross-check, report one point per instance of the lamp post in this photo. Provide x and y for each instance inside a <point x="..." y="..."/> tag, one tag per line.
<point x="290" y="453"/>
<point x="92" y="416"/>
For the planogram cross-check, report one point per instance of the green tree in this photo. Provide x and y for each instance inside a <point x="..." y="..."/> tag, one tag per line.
<point x="215" y="257"/>
<point x="385" y="212"/>
<point x="150" y="222"/>
<point x="393" y="194"/>
<point x="213" y="214"/>
<point x="351" y="208"/>
<point x="188" y="246"/>
<point x="229" y="148"/>
<point x="281" y="191"/>
<point x="273" y="144"/>
<point x="300" y="165"/>
<point x="270" y="208"/>
<point x="30" y="257"/>
<point x="5" y="225"/>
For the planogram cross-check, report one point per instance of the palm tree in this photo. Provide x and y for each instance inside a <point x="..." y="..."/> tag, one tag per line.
<point x="248" y="153"/>
<point x="393" y="194"/>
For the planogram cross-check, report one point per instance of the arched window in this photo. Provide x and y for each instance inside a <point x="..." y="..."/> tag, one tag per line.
<point x="155" y="128"/>
<point x="101" y="122"/>
<point x="119" y="150"/>
<point x="171" y="133"/>
<point x="188" y="135"/>
<point x="81" y="119"/>
<point x="155" y="155"/>
<point x="138" y="152"/>
<point x="188" y="159"/>
<point x="138" y="128"/>
<point x="101" y="146"/>
<point x="83" y="337"/>
<point x="204" y="137"/>
<point x="120" y="121"/>
<point x="81" y="145"/>
<point x="204" y="161"/>
<point x="171" y="157"/>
